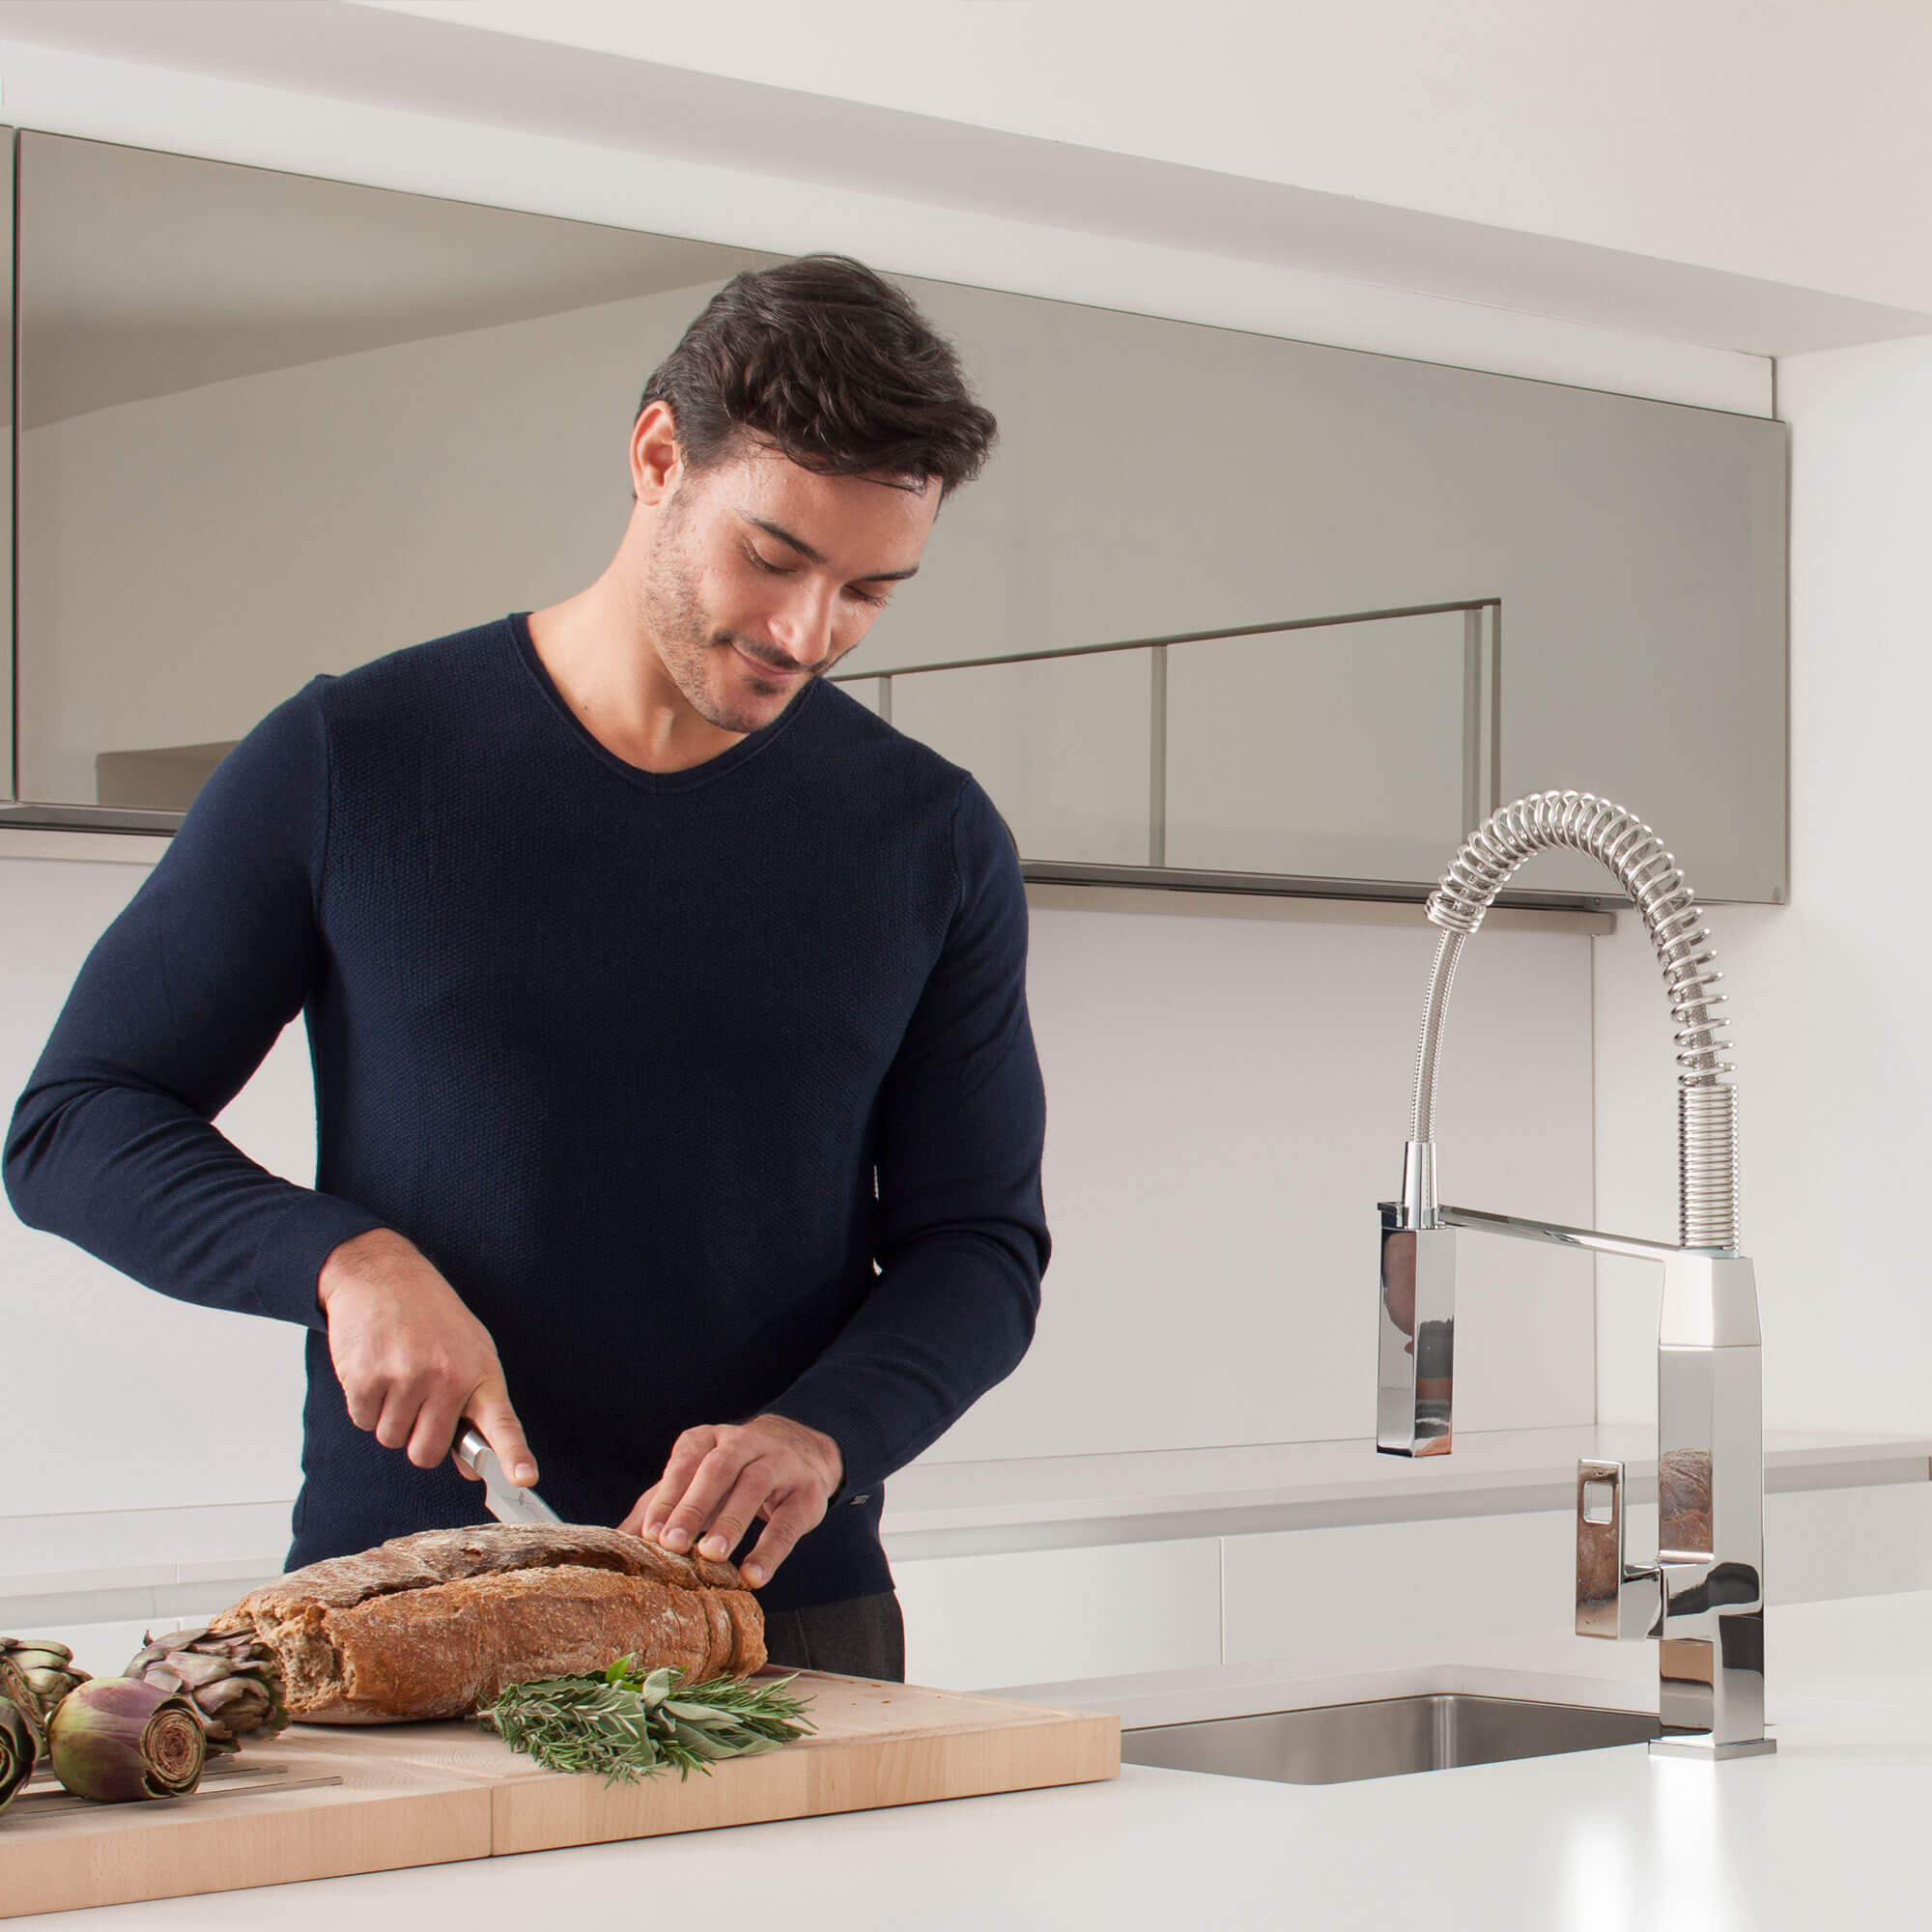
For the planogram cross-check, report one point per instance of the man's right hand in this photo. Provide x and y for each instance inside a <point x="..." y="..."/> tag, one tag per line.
<point x="411" y="1358"/>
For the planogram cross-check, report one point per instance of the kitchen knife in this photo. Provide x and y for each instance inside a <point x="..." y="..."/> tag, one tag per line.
<point x="506" y="1502"/>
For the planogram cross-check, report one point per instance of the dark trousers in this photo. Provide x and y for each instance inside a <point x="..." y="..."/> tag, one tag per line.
<point x="861" y="1637"/>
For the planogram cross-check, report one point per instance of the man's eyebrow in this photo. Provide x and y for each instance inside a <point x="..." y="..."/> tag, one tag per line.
<point x="811" y="556"/>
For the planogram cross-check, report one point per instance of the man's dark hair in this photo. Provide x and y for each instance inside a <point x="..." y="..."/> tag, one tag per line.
<point x="831" y="366"/>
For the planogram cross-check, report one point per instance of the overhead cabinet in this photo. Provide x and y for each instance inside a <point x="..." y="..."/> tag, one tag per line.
<point x="1224" y="608"/>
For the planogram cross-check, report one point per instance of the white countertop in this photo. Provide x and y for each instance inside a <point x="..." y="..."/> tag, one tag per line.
<point x="1824" y="1834"/>
<point x="158" y="1564"/>
<point x="967" y="1509"/>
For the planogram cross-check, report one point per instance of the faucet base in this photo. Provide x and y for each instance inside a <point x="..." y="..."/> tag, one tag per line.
<point x="1715" y="1753"/>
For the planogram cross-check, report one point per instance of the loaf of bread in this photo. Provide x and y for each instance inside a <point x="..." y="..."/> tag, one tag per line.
<point x="435" y="1625"/>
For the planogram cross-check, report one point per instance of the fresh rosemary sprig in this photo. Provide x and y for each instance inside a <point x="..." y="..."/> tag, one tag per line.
<point x="626" y="1725"/>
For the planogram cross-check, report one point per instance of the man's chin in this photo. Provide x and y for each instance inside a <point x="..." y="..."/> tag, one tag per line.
<point x="750" y="707"/>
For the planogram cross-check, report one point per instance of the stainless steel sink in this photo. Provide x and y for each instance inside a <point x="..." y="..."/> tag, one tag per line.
<point x="1335" y="1744"/>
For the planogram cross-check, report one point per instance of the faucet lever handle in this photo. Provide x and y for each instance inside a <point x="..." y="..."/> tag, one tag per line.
<point x="1612" y="1599"/>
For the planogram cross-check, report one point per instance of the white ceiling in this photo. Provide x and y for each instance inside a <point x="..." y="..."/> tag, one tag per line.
<point x="437" y="66"/>
<point x="144" y="274"/>
<point x="1785" y="140"/>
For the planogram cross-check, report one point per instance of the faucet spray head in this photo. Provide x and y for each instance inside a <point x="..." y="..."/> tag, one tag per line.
<point x="1418" y="1185"/>
<point x="1417" y="1318"/>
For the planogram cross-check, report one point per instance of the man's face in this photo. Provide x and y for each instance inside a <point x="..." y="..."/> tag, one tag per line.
<point x="762" y="575"/>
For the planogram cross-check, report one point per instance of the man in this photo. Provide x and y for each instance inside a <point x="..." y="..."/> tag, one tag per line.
<point x="678" y="1115"/>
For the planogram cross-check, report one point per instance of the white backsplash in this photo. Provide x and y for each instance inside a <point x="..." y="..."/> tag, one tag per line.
<point x="1227" y="1103"/>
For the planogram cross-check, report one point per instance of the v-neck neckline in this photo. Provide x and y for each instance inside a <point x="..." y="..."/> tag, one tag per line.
<point x="691" y="776"/>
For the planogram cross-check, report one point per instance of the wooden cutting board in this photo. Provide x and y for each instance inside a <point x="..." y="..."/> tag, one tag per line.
<point x="323" y="1802"/>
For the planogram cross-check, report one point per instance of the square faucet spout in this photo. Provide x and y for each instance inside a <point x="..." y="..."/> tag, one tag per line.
<point x="1414" y="1400"/>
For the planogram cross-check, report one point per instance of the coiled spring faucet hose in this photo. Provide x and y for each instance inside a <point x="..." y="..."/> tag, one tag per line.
<point x="1707" y="1126"/>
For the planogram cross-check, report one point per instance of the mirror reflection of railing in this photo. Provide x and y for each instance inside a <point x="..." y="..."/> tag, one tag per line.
<point x="1337" y="748"/>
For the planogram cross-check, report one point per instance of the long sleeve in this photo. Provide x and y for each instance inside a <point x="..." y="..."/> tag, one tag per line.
<point x="112" y="1144"/>
<point x="963" y="1237"/>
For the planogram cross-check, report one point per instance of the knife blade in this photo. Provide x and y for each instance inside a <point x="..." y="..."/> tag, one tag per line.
<point x="506" y="1502"/>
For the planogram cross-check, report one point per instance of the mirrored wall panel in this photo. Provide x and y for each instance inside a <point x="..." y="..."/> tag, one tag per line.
<point x="1159" y="477"/>
<point x="272" y="426"/>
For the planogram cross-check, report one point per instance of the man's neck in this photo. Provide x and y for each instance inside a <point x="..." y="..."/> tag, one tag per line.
<point x="604" y="664"/>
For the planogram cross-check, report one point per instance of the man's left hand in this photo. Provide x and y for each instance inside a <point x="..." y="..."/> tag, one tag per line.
<point x="722" y="1477"/>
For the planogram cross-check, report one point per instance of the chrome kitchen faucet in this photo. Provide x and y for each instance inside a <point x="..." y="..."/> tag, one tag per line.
<point x="1703" y="1598"/>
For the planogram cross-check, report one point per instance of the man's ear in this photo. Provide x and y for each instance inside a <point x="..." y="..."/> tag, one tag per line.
<point x="657" y="459"/>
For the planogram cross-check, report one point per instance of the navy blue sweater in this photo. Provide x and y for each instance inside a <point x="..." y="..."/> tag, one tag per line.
<point x="711" y="1092"/>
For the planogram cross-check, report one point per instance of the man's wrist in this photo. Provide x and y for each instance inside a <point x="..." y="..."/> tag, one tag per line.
<point x="829" y="1450"/>
<point x="350" y="1258"/>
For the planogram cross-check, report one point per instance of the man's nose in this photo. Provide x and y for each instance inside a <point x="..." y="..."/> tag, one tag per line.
<point x="803" y="629"/>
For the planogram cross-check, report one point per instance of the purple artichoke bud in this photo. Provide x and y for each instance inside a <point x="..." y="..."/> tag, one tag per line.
<point x="48" y="1670"/>
<point x="116" y="1738"/>
<point x="19" y="1749"/>
<point x="230" y="1677"/>
<point x="18" y="1693"/>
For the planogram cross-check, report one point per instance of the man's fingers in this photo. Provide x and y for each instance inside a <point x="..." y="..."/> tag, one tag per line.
<point x="634" y="1523"/>
<point x="687" y="1457"/>
<point x="397" y="1417"/>
<point x="488" y="1409"/>
<point x="720" y="1479"/>
<point x="365" y="1405"/>
<point x="788" y="1522"/>
<point x="733" y="1516"/>
<point x="717" y="1475"/>
<point x="434" y="1431"/>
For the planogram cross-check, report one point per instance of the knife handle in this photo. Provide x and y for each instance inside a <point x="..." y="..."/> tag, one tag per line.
<point x="469" y="1449"/>
<point x="503" y="1499"/>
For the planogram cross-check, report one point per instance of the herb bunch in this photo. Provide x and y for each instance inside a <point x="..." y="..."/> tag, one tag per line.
<point x="627" y="1725"/>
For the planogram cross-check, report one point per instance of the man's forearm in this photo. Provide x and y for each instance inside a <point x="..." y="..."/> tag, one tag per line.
<point x="152" y="1188"/>
<point x="951" y="1316"/>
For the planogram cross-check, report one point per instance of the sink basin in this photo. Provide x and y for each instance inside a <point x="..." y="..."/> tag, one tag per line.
<point x="1335" y="1744"/>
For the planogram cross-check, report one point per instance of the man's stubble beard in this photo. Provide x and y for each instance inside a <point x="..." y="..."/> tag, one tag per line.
<point x="686" y="642"/>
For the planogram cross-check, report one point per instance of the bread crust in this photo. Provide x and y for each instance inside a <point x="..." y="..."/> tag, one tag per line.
<point x="434" y="1624"/>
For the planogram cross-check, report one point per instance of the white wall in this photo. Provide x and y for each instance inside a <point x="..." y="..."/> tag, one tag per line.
<point x="1227" y="1101"/>
<point x="1780" y="141"/>
<point x="112" y="1397"/>
<point x="1833" y="1065"/>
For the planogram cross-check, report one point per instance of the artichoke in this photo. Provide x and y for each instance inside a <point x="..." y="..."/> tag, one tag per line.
<point x="231" y="1677"/>
<point x="47" y="1669"/>
<point x="18" y="1693"/>
<point x="19" y="1749"/>
<point x="114" y="1738"/>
